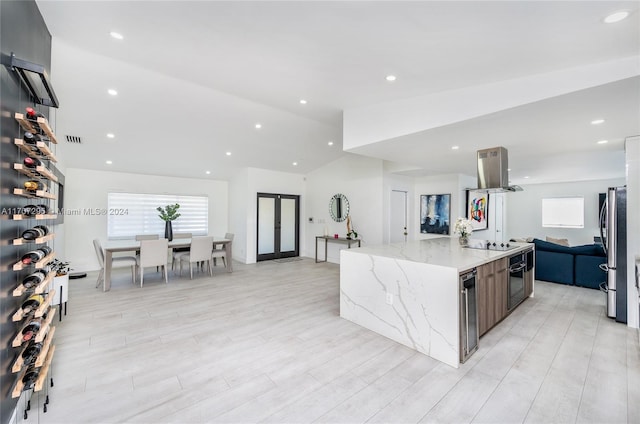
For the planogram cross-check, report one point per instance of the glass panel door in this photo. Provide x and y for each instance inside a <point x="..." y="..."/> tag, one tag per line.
<point x="287" y="225"/>
<point x="266" y="227"/>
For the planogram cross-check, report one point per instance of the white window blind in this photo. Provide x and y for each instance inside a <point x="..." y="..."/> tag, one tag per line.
<point x="563" y="212"/>
<point x="130" y="214"/>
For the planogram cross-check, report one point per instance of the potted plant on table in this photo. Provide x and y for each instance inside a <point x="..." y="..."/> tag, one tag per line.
<point x="60" y="282"/>
<point x="464" y="228"/>
<point x="351" y="233"/>
<point x="168" y="214"/>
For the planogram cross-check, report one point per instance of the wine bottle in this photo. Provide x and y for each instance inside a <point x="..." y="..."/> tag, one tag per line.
<point x="31" y="210"/>
<point x="42" y="228"/>
<point x="35" y="232"/>
<point x="33" y="114"/>
<point x="31" y="353"/>
<point x="30" y="330"/>
<point x="33" y="138"/>
<point x="32" y="303"/>
<point x="30" y="162"/>
<point x="32" y="256"/>
<point x="33" y="185"/>
<point x="33" y="280"/>
<point x="30" y="377"/>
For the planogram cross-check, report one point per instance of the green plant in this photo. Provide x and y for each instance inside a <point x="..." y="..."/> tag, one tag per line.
<point x="169" y="212"/>
<point x="352" y="234"/>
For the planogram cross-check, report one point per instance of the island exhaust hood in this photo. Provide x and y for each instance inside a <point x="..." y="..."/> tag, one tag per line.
<point x="493" y="171"/>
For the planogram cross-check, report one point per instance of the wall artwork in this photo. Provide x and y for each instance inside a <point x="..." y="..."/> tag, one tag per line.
<point x="435" y="213"/>
<point x="477" y="207"/>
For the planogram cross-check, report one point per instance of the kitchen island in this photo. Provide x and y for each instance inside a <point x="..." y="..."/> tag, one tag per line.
<point x="410" y="292"/>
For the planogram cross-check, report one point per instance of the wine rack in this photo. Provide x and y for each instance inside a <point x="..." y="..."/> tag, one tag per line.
<point x="20" y="313"/>
<point x="37" y="172"/>
<point x="38" y="265"/>
<point x="42" y="151"/>
<point x="42" y="333"/>
<point x="40" y="288"/>
<point x="47" y="154"/>
<point x="20" y="241"/>
<point x="42" y="124"/>
<point x="34" y="194"/>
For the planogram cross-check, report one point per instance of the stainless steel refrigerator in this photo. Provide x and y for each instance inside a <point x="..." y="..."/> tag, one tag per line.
<point x="613" y="231"/>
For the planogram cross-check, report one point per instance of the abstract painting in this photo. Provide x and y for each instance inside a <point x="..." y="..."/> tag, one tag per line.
<point x="435" y="213"/>
<point x="477" y="207"/>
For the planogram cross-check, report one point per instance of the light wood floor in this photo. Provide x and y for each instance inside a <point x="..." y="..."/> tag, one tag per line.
<point x="266" y="344"/>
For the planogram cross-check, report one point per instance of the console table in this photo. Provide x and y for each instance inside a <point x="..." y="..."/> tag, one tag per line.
<point x="328" y="239"/>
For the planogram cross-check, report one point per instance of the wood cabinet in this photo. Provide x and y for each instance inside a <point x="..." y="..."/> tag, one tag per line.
<point x="491" y="290"/>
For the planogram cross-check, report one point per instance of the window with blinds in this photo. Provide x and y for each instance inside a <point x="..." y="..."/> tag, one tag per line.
<point x="130" y="214"/>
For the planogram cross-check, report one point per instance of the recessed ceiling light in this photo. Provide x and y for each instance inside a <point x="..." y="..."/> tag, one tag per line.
<point x="112" y="92"/>
<point x="509" y="169"/>
<point x="526" y="176"/>
<point x="258" y="126"/>
<point x="111" y="135"/>
<point x="228" y="153"/>
<point x="455" y="147"/>
<point x="330" y="143"/>
<point x="597" y="121"/>
<point x="603" y="141"/>
<point x="116" y="35"/>
<point x="295" y="163"/>
<point x="208" y="172"/>
<point x="616" y="17"/>
<point x="390" y="77"/>
<point x="108" y="162"/>
<point x="303" y="102"/>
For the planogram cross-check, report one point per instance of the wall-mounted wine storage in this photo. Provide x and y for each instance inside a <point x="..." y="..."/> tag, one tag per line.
<point x="29" y="191"/>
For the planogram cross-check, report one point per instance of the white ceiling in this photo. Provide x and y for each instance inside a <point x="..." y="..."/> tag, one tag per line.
<point x="195" y="77"/>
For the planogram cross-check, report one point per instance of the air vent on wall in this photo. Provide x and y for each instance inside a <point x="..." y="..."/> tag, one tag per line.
<point x="74" y="139"/>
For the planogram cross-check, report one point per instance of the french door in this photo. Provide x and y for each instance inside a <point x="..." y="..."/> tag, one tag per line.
<point x="278" y="226"/>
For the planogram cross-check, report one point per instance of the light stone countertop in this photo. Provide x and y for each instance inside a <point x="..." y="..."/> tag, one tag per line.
<point x="441" y="251"/>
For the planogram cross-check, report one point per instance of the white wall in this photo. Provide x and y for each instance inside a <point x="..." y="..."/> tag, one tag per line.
<point x="238" y="216"/>
<point x="524" y="210"/>
<point x="360" y="179"/>
<point x="88" y="189"/>
<point x="632" y="148"/>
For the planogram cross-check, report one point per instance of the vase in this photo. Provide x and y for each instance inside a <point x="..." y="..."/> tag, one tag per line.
<point x="168" y="230"/>
<point x="463" y="240"/>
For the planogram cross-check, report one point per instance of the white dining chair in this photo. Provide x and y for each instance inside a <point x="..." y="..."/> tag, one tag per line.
<point x="153" y="253"/>
<point x="176" y="252"/>
<point x="117" y="262"/>
<point x="141" y="237"/>
<point x="200" y="251"/>
<point x="221" y="252"/>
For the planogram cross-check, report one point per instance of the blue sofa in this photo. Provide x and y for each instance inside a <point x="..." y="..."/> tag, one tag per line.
<point x="576" y="265"/>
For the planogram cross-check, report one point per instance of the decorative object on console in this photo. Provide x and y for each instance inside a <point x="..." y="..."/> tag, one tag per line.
<point x="477" y="207"/>
<point x="351" y="233"/>
<point x="464" y="228"/>
<point x="435" y="213"/>
<point x="167" y="214"/>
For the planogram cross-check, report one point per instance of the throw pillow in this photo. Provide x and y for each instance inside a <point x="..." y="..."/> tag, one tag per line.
<point x="561" y="242"/>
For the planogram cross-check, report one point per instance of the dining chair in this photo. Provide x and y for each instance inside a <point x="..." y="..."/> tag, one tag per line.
<point x="153" y="253"/>
<point x="117" y="262"/>
<point x="200" y="252"/>
<point x="222" y="252"/>
<point x="179" y="250"/>
<point x="141" y="237"/>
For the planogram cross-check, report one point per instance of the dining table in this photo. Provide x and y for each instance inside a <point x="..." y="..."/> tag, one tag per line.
<point x="113" y="246"/>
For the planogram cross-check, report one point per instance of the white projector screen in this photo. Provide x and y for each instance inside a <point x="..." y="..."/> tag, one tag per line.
<point x="563" y="212"/>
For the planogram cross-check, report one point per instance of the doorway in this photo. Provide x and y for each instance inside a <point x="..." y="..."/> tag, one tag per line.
<point x="278" y="226"/>
<point x="398" y="217"/>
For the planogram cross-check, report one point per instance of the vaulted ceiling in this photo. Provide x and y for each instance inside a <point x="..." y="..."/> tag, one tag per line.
<point x="194" y="79"/>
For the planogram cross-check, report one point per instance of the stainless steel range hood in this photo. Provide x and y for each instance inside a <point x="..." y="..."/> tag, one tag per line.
<point x="493" y="171"/>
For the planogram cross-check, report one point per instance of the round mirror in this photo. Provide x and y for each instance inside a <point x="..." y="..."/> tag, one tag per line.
<point x="339" y="207"/>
